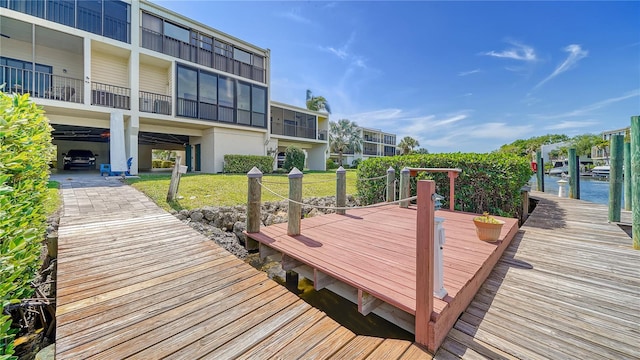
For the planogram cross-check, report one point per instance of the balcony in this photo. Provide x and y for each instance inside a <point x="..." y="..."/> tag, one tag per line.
<point x="371" y="138"/>
<point x="155" y="103"/>
<point x="167" y="45"/>
<point x="295" y="131"/>
<point x="322" y="135"/>
<point x="41" y="85"/>
<point x="370" y="152"/>
<point x="110" y="96"/>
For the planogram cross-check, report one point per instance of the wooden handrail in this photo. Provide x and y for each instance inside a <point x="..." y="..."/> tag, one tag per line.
<point x="452" y="173"/>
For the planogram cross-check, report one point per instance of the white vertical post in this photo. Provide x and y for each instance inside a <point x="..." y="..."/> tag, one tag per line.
<point x="405" y="190"/>
<point x="438" y="266"/>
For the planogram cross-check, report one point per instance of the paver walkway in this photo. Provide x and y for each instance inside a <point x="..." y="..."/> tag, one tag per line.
<point x="133" y="281"/>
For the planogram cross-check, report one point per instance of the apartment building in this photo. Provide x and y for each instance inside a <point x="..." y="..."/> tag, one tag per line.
<point x="600" y="154"/>
<point x="121" y="78"/>
<point x="375" y="143"/>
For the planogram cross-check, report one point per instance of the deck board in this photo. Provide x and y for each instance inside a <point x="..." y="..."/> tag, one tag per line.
<point x="374" y="251"/>
<point x="135" y="282"/>
<point x="567" y="287"/>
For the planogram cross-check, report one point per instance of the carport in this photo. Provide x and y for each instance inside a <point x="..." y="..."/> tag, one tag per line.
<point x="149" y="141"/>
<point x="69" y="137"/>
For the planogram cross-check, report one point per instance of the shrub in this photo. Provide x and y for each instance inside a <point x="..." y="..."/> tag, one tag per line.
<point x="156" y="164"/>
<point x="244" y="163"/>
<point x="488" y="182"/>
<point x="25" y="153"/>
<point x="167" y="164"/>
<point x="331" y="164"/>
<point x="355" y="163"/>
<point x="293" y="157"/>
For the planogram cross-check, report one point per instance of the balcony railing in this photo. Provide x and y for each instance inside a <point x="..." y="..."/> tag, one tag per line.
<point x="293" y="130"/>
<point x="167" y="45"/>
<point x="41" y="85"/>
<point x="110" y="96"/>
<point x="371" y="139"/>
<point x="155" y="103"/>
<point x="370" y="152"/>
<point x="322" y="135"/>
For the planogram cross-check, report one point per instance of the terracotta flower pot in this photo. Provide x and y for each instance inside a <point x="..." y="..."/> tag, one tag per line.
<point x="488" y="231"/>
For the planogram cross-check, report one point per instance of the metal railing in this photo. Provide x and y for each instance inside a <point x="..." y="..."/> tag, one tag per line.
<point x="155" y="103"/>
<point x="167" y="45"/>
<point x="41" y="85"/>
<point x="110" y="96"/>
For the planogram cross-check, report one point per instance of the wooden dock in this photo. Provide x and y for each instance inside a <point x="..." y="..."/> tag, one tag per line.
<point x="369" y="257"/>
<point x="135" y="282"/>
<point x="568" y="287"/>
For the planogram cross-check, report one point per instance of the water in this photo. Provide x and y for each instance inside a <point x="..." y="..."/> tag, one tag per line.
<point x="591" y="189"/>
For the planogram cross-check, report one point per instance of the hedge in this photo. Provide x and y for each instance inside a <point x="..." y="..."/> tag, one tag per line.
<point x="244" y="163"/>
<point x="488" y="182"/>
<point x="293" y="157"/>
<point x="25" y="153"/>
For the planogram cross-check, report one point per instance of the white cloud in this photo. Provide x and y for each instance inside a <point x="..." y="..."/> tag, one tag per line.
<point x="571" y="125"/>
<point x="343" y="52"/>
<point x="586" y="110"/>
<point x="465" y="73"/>
<point x="294" y="15"/>
<point x="576" y="53"/>
<point x="519" y="51"/>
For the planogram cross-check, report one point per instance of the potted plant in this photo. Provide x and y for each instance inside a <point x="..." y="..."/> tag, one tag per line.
<point x="487" y="227"/>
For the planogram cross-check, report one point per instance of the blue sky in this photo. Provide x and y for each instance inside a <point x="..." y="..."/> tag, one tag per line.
<point x="457" y="76"/>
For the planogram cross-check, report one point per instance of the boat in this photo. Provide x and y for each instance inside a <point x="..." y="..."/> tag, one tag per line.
<point x="601" y="171"/>
<point x="559" y="167"/>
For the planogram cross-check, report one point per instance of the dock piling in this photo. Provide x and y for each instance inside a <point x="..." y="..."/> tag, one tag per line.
<point x="615" y="177"/>
<point x="254" y="199"/>
<point x="295" y="209"/>
<point x="635" y="180"/>
<point x="391" y="184"/>
<point x="627" y="176"/>
<point x="574" y="175"/>
<point x="405" y="175"/>
<point x="341" y="189"/>
<point x="539" y="171"/>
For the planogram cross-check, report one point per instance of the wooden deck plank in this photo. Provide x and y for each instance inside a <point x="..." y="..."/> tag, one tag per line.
<point x="390" y="349"/>
<point x="329" y="345"/>
<point x="308" y="339"/>
<point x="565" y="288"/>
<point x="358" y="348"/>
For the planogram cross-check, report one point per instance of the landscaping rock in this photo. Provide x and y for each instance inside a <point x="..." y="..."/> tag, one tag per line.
<point x="238" y="228"/>
<point x="196" y="216"/>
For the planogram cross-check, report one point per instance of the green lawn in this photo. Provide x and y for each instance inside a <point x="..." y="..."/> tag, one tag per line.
<point x="224" y="190"/>
<point x="52" y="201"/>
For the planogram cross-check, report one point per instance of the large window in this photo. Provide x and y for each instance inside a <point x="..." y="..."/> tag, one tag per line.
<point x="176" y="32"/>
<point x="209" y="96"/>
<point x="110" y="18"/>
<point x="90" y="16"/>
<point x="286" y="122"/>
<point x="187" y="92"/>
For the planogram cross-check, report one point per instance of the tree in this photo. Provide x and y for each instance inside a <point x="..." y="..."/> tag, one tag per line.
<point x="422" y="151"/>
<point x="524" y="147"/>
<point x="407" y="144"/>
<point x="317" y="103"/>
<point x="344" y="135"/>
<point x="584" y="143"/>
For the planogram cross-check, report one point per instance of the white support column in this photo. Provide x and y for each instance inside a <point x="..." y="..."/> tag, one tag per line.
<point x="438" y="267"/>
<point x="87" y="71"/>
<point x="131" y="142"/>
<point x="134" y="80"/>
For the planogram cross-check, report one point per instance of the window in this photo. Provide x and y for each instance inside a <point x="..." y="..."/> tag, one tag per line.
<point x="117" y="20"/>
<point x="225" y="91"/>
<point x="223" y="49"/>
<point x="258" y="61"/>
<point x="17" y="75"/>
<point x="150" y="22"/>
<point x="242" y="55"/>
<point x="244" y="96"/>
<point x="176" y="32"/>
<point x="208" y="96"/>
<point x="33" y="7"/>
<point x="90" y="16"/>
<point x="62" y="11"/>
<point x="187" y="92"/>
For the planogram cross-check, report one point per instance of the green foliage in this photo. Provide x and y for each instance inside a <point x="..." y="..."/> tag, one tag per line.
<point x="344" y="135"/>
<point x="25" y="153"/>
<point x="407" y="144"/>
<point x="355" y="163"/>
<point x="488" y="182"/>
<point x="293" y="157"/>
<point x="522" y="147"/>
<point x="584" y="143"/>
<point x="331" y="164"/>
<point x="244" y="163"/>
<point x="317" y="103"/>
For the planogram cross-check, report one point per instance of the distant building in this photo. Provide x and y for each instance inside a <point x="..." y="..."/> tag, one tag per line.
<point x="601" y="154"/>
<point x="375" y="143"/>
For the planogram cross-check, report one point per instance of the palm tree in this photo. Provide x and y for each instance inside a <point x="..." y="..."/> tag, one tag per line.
<point x="317" y="103"/>
<point x="407" y="144"/>
<point x="344" y="135"/>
